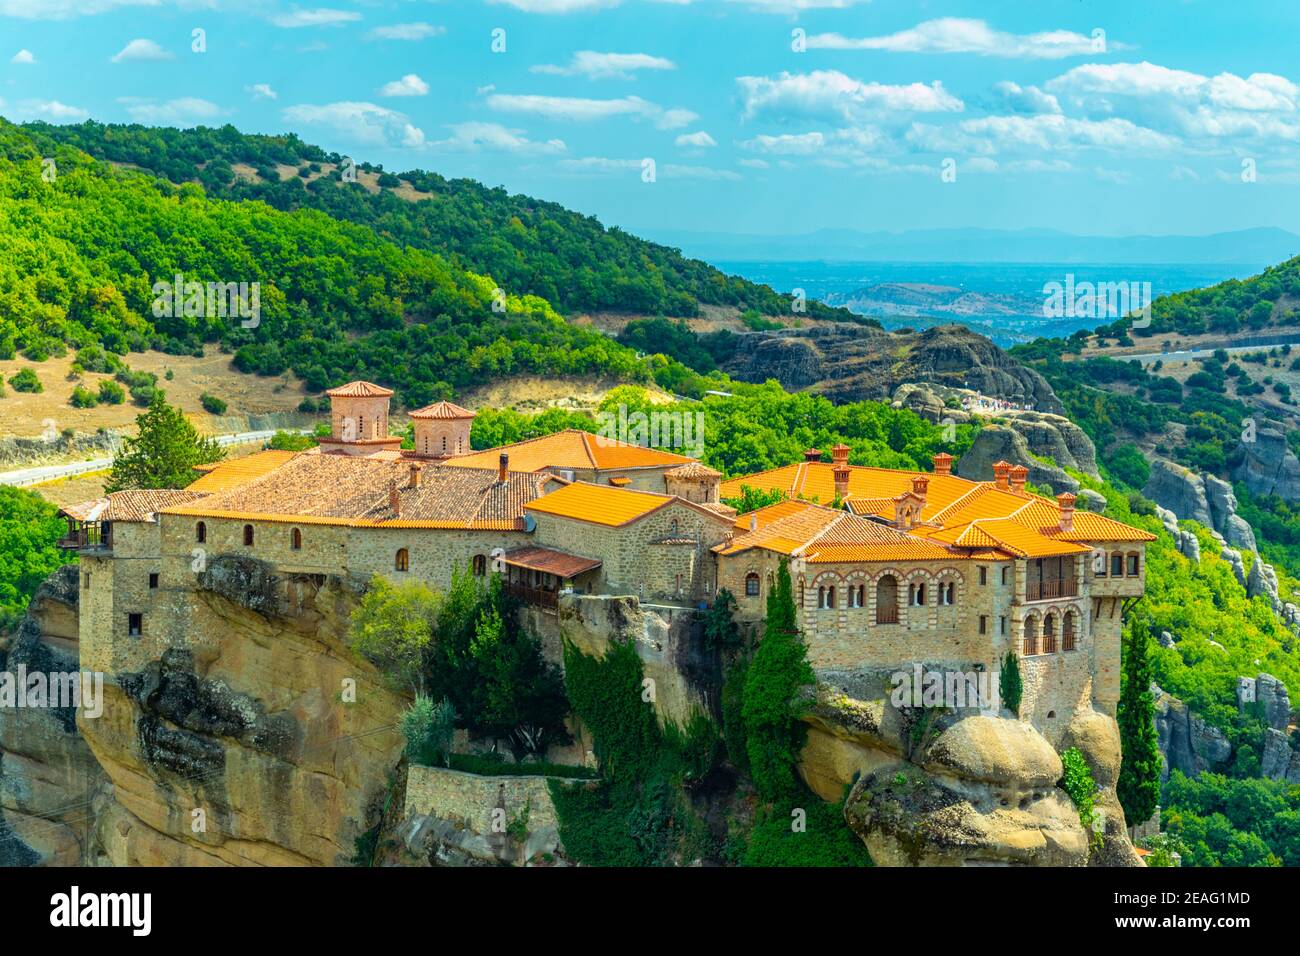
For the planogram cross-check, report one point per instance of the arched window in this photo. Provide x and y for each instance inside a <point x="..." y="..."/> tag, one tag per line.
<point x="826" y="597"/>
<point x="1117" y="565"/>
<point x="248" y="535"/>
<point x="1067" y="631"/>
<point x="887" y="600"/>
<point x="444" y="443"/>
<point x="1049" y="634"/>
<point x="1031" y="636"/>
<point x="480" y="565"/>
<point x="201" y="532"/>
<point x="1133" y="563"/>
<point x="403" y="560"/>
<point x="295" y="540"/>
<point x="947" y="592"/>
<point x="857" y="595"/>
<point x="916" y="595"/>
<point x="751" y="584"/>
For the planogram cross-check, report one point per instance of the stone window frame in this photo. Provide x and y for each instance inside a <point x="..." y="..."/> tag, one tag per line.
<point x="827" y="583"/>
<point x="479" y="565"/>
<point x="402" y="560"/>
<point x="201" y="532"/>
<point x="757" y="579"/>
<point x="949" y="577"/>
<point x="1117" y="564"/>
<point x="1070" y="635"/>
<point x="873" y="596"/>
<point x="295" y="539"/>
<point x="1133" y="564"/>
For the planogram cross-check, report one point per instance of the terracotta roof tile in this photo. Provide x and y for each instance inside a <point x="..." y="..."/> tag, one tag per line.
<point x="359" y="390"/>
<point x="693" y="469"/>
<point x="442" y="411"/>
<point x="224" y="475"/>
<point x="136" y="504"/>
<point x="570" y="449"/>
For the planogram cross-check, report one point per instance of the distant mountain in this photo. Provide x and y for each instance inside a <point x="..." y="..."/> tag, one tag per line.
<point x="1246" y="246"/>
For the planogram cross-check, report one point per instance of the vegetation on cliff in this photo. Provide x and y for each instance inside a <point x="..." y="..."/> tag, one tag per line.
<point x="1138" y="788"/>
<point x="29" y="528"/>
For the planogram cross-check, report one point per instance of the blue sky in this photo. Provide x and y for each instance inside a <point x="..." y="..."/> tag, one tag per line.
<point x="1179" y="117"/>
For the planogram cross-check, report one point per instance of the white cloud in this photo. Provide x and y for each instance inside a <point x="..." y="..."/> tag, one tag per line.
<point x="51" y="110"/>
<point x="405" y="31"/>
<point x="476" y="137"/>
<point x="595" y="65"/>
<point x="140" y="49"/>
<point x="788" y="144"/>
<point x="961" y="35"/>
<point x="579" y="109"/>
<point x="366" y="123"/>
<point x="261" y="91"/>
<point x="986" y="135"/>
<point x="23" y="56"/>
<point x="700" y="139"/>
<point x="182" y="111"/>
<point x="409" y="85"/>
<point x="557" y="6"/>
<point x="854" y="146"/>
<point x="829" y="93"/>
<point x="754" y="163"/>
<point x="1027" y="99"/>
<point x="677" y="171"/>
<point x="320" y="17"/>
<point x="601" y="165"/>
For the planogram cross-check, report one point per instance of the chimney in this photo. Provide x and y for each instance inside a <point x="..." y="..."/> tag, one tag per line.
<point x="840" y="454"/>
<point x="943" y="463"/>
<point x="1018" y="475"/>
<point x="503" y="466"/>
<point x="812" y="454"/>
<point x="753" y="522"/>
<point x="414" y="480"/>
<point x="920" y="484"/>
<point x="1001" y="470"/>
<point x="1065" y="501"/>
<point x="394" y="500"/>
<point x="840" y="471"/>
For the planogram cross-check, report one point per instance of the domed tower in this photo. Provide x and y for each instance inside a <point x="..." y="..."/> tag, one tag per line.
<point x="359" y="420"/>
<point x="442" y="430"/>
<point x="694" y="482"/>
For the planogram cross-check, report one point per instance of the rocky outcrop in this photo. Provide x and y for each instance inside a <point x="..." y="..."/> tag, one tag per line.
<point x="1268" y="466"/>
<point x="1189" y="546"/>
<point x="850" y="363"/>
<point x="958" y="788"/>
<point x="1004" y="443"/>
<point x="1208" y="500"/>
<point x="1187" y="743"/>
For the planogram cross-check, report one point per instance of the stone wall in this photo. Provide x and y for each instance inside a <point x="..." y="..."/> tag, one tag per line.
<point x="482" y="804"/>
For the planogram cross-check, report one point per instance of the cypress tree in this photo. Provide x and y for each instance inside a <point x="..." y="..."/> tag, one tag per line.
<point x="1010" y="685"/>
<point x="1139" y="775"/>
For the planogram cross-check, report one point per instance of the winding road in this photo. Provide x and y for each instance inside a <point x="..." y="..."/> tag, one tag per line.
<point x="43" y="473"/>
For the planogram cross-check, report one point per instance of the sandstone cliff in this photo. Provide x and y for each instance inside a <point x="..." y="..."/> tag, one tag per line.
<point x="851" y="363"/>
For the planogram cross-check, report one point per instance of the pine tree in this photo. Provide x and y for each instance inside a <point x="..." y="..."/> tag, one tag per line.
<point x="1010" y="686"/>
<point x="163" y="452"/>
<point x="774" y="734"/>
<point x="1139" y="776"/>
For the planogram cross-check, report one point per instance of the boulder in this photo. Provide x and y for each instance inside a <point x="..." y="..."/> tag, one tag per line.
<point x="1274" y="701"/>
<point x="1268" y="466"/>
<point x="1091" y="500"/>
<point x="1261" y="581"/>
<point x="1004" y="443"/>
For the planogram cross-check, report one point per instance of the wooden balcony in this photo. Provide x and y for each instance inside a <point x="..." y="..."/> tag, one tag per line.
<point x="538" y="597"/>
<point x="91" y="536"/>
<point x="1051" y="590"/>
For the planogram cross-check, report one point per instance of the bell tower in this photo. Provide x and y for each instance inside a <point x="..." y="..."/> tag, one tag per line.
<point x="359" y="420"/>
<point x="441" y="430"/>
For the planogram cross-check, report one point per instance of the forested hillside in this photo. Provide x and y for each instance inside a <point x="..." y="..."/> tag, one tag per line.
<point x="528" y="246"/>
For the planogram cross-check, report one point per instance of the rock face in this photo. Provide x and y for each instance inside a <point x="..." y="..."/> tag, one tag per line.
<point x="1187" y="743"/>
<point x="1189" y="546"/>
<point x="1004" y="443"/>
<point x="963" y="788"/>
<point x="851" y="363"/>
<point x="1208" y="500"/>
<point x="1269" y="467"/>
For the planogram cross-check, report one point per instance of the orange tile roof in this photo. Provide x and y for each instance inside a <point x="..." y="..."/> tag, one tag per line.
<point x="231" y="474"/>
<point x="570" y="449"/>
<point x="692" y="469"/>
<point x="823" y="535"/>
<point x="359" y="390"/>
<point x="600" y="504"/>
<point x="135" y="504"/>
<point x="443" y="411"/>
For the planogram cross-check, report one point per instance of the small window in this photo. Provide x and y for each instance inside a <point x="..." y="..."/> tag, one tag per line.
<point x="444" y="442"/>
<point x="984" y="575"/>
<point x="248" y="535"/>
<point x="1133" y="565"/>
<point x="1002" y="625"/>
<point x="984" y="623"/>
<point x="134" y="625"/>
<point x="751" y="584"/>
<point x="403" y="560"/>
<point x="153" y="580"/>
<point x="1099" y="564"/>
<point x="87" y="584"/>
<point x="826" y="597"/>
<point x="1004" y="575"/>
<point x="1117" y="565"/>
<point x="201" y="532"/>
<point x="916" y="595"/>
<point x="480" y="565"/>
<point x="857" y="595"/>
<point x="295" y="540"/>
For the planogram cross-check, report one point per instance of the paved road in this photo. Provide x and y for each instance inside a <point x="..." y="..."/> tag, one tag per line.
<point x="1185" y="356"/>
<point x="44" y="473"/>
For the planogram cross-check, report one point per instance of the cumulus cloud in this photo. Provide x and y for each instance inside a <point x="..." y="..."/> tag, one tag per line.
<point x="320" y="17"/>
<point x="830" y="93"/>
<point x="1027" y="99"/>
<point x="1044" y="132"/>
<point x="580" y="109"/>
<point x="409" y="85"/>
<point x="182" y="111"/>
<point x="140" y="49"/>
<point x="405" y="31"/>
<point x="962" y="35"/>
<point x="51" y="110"/>
<point x="701" y="140"/>
<point x="261" y="91"/>
<point x="366" y="123"/>
<point x="23" y="57"/>
<point x="493" y="137"/>
<point x="596" y="66"/>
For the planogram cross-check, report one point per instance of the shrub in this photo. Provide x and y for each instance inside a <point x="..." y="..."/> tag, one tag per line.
<point x="1076" y="780"/>
<point x="428" y="729"/>
<point x="83" y="397"/>
<point x="212" y="405"/>
<point x="110" y="393"/>
<point x="25" y="380"/>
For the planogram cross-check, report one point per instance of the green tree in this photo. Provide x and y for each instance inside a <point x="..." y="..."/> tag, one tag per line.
<point x="1139" y="776"/>
<point x="163" y="452"/>
<point x="428" y="729"/>
<point x="774" y="734"/>
<point x="1010" y="685"/>
<point x="721" y="632"/>
<point x="393" y="626"/>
